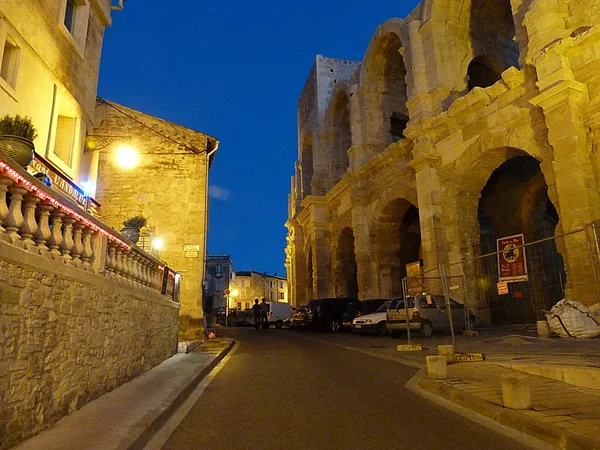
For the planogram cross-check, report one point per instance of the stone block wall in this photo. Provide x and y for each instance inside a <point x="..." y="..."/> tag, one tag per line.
<point x="67" y="336"/>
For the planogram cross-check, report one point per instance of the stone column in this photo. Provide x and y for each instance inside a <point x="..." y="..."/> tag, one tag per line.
<point x="320" y="179"/>
<point x="363" y="248"/>
<point x="563" y="103"/>
<point x="15" y="216"/>
<point x="43" y="232"/>
<point x="370" y="127"/>
<point x="419" y="104"/>
<point x="29" y="226"/>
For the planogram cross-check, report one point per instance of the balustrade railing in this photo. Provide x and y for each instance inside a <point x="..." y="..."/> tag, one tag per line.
<point x="40" y="220"/>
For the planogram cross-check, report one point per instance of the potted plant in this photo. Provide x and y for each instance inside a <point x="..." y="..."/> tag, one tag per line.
<point x="131" y="228"/>
<point x="16" y="138"/>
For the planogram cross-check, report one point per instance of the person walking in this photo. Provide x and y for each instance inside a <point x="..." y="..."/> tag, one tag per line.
<point x="257" y="310"/>
<point x="264" y="309"/>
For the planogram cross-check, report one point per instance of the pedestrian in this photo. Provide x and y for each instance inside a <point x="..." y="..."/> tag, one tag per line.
<point x="264" y="309"/>
<point x="257" y="310"/>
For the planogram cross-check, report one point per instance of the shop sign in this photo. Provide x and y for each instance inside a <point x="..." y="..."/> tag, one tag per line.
<point x="503" y="288"/>
<point x="512" y="262"/>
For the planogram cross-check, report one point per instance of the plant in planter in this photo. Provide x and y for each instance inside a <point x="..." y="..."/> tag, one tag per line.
<point x="16" y="138"/>
<point x="131" y="228"/>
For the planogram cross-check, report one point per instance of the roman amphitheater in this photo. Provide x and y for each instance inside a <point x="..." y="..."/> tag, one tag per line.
<point x="466" y="122"/>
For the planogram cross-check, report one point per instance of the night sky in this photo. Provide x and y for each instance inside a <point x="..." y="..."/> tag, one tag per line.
<point x="234" y="70"/>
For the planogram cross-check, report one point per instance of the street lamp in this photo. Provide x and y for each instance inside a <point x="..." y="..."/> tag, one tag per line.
<point x="229" y="293"/>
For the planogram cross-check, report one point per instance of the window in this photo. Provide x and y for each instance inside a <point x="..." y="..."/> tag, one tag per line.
<point x="10" y="59"/>
<point x="65" y="138"/>
<point x="281" y="285"/>
<point x="281" y="296"/>
<point x="70" y="16"/>
<point x="398" y="124"/>
<point x="239" y="305"/>
<point x="270" y="295"/>
<point x="271" y="284"/>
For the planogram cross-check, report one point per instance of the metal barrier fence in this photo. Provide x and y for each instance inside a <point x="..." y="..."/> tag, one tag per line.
<point x="520" y="300"/>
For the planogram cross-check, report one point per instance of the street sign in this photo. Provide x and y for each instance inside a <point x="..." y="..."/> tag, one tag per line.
<point x="191" y="248"/>
<point x="468" y="357"/>
<point x="409" y="348"/>
<point x="502" y="288"/>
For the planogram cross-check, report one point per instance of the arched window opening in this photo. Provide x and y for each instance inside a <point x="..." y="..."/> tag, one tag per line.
<point x="342" y="138"/>
<point x="483" y="72"/>
<point x="346" y="273"/>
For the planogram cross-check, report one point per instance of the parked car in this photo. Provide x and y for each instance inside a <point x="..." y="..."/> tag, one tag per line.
<point x="373" y="323"/>
<point x="358" y="308"/>
<point x="426" y="313"/>
<point x="277" y="313"/>
<point x="326" y="314"/>
<point x="297" y="321"/>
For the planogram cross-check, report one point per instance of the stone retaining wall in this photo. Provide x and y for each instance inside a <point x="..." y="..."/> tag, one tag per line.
<point x="67" y="336"/>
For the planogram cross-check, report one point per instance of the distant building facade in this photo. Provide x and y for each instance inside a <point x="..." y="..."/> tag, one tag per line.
<point x="253" y="285"/>
<point x="219" y="277"/>
<point x="168" y="186"/>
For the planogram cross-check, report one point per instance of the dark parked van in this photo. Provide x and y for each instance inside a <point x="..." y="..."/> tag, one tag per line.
<point x="326" y="314"/>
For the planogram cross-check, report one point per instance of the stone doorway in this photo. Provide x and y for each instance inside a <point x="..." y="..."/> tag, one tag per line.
<point x="346" y="273"/>
<point x="398" y="237"/>
<point x="515" y="201"/>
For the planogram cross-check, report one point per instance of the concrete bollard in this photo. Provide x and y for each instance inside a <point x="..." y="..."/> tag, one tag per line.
<point x="543" y="328"/>
<point x="436" y="367"/>
<point x="446" y="351"/>
<point x="515" y="392"/>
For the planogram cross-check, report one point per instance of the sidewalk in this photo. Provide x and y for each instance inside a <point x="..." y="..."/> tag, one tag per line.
<point x="564" y="415"/>
<point x="127" y="417"/>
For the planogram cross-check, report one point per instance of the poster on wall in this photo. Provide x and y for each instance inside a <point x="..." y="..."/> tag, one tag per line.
<point x="512" y="261"/>
<point x="414" y="275"/>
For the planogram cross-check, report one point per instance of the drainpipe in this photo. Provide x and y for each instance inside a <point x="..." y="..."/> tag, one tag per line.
<point x="208" y="155"/>
<point x="119" y="7"/>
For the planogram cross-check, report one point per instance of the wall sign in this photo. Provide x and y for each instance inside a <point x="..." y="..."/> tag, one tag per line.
<point x="512" y="263"/>
<point x="191" y="248"/>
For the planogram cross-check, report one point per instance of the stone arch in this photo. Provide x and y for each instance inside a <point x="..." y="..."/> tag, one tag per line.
<point x="307" y="163"/>
<point x="346" y="274"/>
<point x="396" y="239"/>
<point x="483" y="71"/>
<point x="484" y="28"/>
<point x="383" y="78"/>
<point x="339" y="132"/>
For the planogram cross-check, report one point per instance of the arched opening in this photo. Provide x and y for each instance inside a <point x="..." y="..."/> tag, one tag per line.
<point x="342" y="138"/>
<point x="398" y="238"/>
<point x="395" y="92"/>
<point x="515" y="201"/>
<point x="306" y="164"/>
<point x="346" y="274"/>
<point x="310" y="292"/>
<point x="492" y="31"/>
<point x="483" y="72"/>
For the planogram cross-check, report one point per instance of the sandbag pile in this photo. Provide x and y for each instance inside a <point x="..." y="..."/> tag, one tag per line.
<point x="569" y="318"/>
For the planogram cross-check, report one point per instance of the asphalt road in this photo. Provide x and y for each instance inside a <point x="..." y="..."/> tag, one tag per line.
<point x="280" y="390"/>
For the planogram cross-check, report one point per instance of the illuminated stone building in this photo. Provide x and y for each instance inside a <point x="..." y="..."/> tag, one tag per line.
<point x="168" y="185"/>
<point x="465" y="122"/>
<point x="252" y="285"/>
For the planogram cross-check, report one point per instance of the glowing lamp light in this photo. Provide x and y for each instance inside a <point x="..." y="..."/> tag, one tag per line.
<point x="235" y="293"/>
<point x="127" y="157"/>
<point x="89" y="187"/>
<point x="158" y="243"/>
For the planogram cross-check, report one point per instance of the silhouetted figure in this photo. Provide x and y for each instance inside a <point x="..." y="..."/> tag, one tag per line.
<point x="257" y="310"/>
<point x="264" y="310"/>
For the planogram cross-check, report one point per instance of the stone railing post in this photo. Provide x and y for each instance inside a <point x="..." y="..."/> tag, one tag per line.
<point x="111" y="257"/>
<point x="43" y="232"/>
<point x="67" y="244"/>
<point x="77" y="249"/>
<point x="5" y="182"/>
<point x="119" y="261"/>
<point x="99" y="259"/>
<point x="56" y="236"/>
<point x="29" y="226"/>
<point x="88" y="251"/>
<point x="15" y="216"/>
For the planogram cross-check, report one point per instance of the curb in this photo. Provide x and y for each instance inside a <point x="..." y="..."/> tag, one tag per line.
<point x="545" y="432"/>
<point x="155" y="420"/>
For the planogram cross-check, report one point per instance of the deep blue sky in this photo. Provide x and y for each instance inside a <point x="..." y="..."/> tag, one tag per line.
<point x="234" y="70"/>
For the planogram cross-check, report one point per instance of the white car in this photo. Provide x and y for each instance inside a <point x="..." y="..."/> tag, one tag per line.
<point x="373" y="323"/>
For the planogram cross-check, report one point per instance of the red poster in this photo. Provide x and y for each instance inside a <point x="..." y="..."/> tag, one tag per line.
<point x="512" y="263"/>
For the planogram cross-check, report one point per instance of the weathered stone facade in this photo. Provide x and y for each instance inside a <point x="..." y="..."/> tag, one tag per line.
<point x="255" y="285"/>
<point x="466" y="122"/>
<point x="68" y="335"/>
<point x="169" y="187"/>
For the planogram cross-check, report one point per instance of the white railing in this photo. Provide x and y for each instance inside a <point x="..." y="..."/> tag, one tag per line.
<point x="40" y="220"/>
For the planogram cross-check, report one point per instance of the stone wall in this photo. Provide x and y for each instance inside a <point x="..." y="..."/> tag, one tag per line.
<point x="67" y="336"/>
<point x="169" y="187"/>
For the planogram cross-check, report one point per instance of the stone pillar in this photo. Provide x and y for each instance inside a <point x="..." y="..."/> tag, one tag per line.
<point x="363" y="249"/>
<point x="419" y="103"/>
<point x="320" y="179"/>
<point x="320" y="236"/>
<point x="563" y="100"/>
<point x="370" y="127"/>
<point x="297" y="274"/>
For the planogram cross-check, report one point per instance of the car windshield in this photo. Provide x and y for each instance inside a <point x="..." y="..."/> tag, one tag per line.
<point x="398" y="303"/>
<point x="313" y="304"/>
<point x="384" y="307"/>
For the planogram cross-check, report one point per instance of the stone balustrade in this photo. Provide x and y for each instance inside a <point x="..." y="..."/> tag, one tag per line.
<point x="43" y="221"/>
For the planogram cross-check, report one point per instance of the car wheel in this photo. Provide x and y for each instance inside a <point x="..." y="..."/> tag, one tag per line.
<point x="427" y="329"/>
<point x="334" y="327"/>
<point x="381" y="329"/>
<point x="395" y="334"/>
<point x="279" y="324"/>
